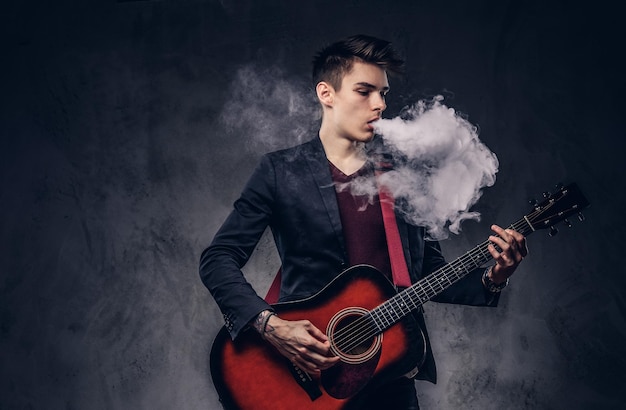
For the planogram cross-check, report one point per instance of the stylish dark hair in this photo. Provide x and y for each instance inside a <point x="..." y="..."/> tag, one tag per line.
<point x="336" y="60"/>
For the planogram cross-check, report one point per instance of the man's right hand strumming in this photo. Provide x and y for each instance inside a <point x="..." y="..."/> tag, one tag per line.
<point x="299" y="341"/>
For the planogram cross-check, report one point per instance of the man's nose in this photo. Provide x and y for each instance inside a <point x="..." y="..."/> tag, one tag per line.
<point x="379" y="103"/>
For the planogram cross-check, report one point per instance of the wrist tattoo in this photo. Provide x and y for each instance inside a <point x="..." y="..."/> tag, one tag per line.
<point x="260" y="323"/>
<point x="259" y="320"/>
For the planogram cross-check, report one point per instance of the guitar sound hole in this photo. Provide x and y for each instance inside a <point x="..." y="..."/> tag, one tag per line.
<point x="351" y="337"/>
<point x="359" y="349"/>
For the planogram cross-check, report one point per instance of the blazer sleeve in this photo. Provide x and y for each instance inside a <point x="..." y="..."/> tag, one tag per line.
<point x="232" y="246"/>
<point x="467" y="291"/>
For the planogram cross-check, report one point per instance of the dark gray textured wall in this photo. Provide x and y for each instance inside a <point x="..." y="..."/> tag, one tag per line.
<point x="116" y="173"/>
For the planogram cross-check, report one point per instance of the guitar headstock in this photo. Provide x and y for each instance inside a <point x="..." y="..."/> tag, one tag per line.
<point x="557" y="207"/>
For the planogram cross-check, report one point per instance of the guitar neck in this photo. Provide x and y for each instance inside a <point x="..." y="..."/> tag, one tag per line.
<point x="413" y="297"/>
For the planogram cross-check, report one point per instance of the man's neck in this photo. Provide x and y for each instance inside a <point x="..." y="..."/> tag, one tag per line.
<point x="348" y="156"/>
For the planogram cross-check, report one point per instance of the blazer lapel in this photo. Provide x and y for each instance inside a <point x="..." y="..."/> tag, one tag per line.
<point x="320" y="170"/>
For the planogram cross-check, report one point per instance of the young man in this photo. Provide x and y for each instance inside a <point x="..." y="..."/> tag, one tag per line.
<point x="320" y="231"/>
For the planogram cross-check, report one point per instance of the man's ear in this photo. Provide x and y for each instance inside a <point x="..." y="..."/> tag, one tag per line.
<point x="325" y="93"/>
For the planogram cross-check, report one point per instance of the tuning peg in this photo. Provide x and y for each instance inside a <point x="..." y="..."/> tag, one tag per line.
<point x="546" y="194"/>
<point x="553" y="231"/>
<point x="581" y="217"/>
<point x="567" y="223"/>
<point x="534" y="203"/>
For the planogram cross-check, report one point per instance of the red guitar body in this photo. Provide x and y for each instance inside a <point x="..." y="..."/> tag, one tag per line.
<point x="250" y="373"/>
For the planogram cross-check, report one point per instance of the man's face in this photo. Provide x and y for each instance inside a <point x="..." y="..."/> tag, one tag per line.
<point x="359" y="102"/>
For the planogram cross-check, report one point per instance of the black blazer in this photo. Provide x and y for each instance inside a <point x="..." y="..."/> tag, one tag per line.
<point x="292" y="192"/>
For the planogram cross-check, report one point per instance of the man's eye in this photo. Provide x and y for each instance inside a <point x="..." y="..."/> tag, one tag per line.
<point x="364" y="93"/>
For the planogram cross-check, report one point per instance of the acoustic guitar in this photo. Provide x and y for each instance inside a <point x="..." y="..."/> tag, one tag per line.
<point x="369" y="325"/>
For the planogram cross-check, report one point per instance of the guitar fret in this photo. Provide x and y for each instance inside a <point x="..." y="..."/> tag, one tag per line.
<point x="387" y="312"/>
<point x="416" y="296"/>
<point x="386" y="321"/>
<point x="421" y="288"/>
<point x="431" y="287"/>
<point x="484" y="252"/>
<point x="404" y="306"/>
<point x="385" y="317"/>
<point x="459" y="271"/>
<point x="376" y="319"/>
<point x="474" y="260"/>
<point x="407" y="300"/>
<point x="395" y="310"/>
<point x="428" y="281"/>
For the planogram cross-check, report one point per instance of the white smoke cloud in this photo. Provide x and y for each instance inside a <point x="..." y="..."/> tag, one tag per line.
<point x="272" y="110"/>
<point x="445" y="166"/>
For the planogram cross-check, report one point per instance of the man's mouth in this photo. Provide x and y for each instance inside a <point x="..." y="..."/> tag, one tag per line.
<point x="371" y="124"/>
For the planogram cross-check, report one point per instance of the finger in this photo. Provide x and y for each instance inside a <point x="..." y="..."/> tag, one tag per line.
<point x="501" y="232"/>
<point x="520" y="241"/>
<point x="318" y="360"/>
<point x="305" y="365"/>
<point x="518" y="237"/>
<point x="318" y="342"/>
<point x="510" y="236"/>
<point x="316" y="351"/>
<point x="518" y="245"/>
<point x="316" y="348"/>
<point x="524" y="248"/>
<point x="505" y="259"/>
<point x="313" y="362"/>
<point x="316" y="333"/>
<point x="496" y="255"/>
<point x="500" y="243"/>
<point x="510" y="242"/>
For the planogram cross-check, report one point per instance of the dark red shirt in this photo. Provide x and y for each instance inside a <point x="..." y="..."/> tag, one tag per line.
<point x="362" y="222"/>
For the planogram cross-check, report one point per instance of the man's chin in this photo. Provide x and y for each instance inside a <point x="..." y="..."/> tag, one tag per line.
<point x="365" y="138"/>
